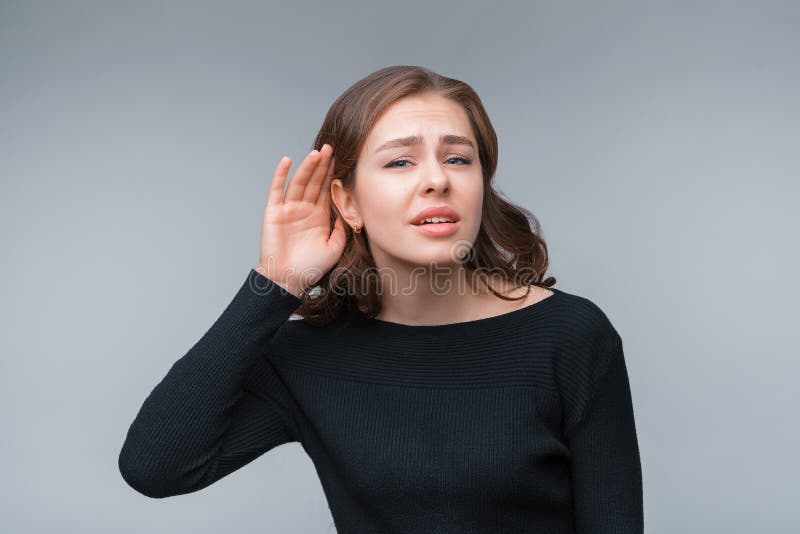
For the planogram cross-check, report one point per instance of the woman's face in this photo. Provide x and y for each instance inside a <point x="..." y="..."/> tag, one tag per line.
<point x="395" y="180"/>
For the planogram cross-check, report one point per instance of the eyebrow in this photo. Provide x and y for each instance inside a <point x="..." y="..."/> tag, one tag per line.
<point x="445" y="139"/>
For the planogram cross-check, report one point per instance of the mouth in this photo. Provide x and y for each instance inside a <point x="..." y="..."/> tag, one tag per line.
<point x="437" y="228"/>
<point x="436" y="215"/>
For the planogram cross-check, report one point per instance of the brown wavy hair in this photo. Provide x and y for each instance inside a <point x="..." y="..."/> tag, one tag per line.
<point x="509" y="243"/>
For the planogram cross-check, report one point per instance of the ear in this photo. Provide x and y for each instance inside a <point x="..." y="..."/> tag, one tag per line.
<point x="344" y="201"/>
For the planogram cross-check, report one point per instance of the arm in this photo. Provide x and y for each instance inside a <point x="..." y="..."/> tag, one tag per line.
<point x="605" y="464"/>
<point x="220" y="406"/>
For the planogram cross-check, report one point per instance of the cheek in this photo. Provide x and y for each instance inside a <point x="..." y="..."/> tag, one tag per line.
<point x="386" y="208"/>
<point x="476" y="197"/>
<point x="477" y="208"/>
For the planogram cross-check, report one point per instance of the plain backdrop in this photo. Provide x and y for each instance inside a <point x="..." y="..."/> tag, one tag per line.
<point x="657" y="143"/>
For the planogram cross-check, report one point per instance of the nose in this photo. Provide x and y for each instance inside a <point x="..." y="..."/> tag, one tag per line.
<point x="435" y="178"/>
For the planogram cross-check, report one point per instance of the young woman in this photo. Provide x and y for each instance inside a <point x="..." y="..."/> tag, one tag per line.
<point x="437" y="382"/>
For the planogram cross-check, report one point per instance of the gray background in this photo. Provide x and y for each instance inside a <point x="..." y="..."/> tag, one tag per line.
<point x="657" y="142"/>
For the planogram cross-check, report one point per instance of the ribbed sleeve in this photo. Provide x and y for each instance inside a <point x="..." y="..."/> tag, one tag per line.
<point x="604" y="455"/>
<point x="220" y="406"/>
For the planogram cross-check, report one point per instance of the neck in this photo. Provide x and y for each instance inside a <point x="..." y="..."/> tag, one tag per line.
<point x="434" y="294"/>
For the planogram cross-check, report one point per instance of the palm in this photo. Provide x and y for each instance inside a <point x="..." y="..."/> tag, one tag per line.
<point x="296" y="243"/>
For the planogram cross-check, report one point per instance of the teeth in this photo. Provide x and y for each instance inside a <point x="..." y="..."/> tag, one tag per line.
<point x="435" y="220"/>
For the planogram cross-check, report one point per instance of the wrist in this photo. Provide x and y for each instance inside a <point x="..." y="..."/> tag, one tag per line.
<point x="291" y="286"/>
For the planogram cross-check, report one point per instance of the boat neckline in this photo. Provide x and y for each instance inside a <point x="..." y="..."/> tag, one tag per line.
<point x="484" y="321"/>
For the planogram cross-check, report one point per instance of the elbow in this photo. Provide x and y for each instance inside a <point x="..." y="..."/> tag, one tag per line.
<point x="137" y="477"/>
<point x="144" y="476"/>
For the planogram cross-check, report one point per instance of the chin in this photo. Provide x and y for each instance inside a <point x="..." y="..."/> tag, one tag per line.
<point x="437" y="261"/>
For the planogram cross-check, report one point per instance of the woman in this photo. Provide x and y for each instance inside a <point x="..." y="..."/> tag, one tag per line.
<point x="436" y="381"/>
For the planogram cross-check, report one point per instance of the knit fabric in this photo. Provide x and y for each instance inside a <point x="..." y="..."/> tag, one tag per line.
<point x="520" y="422"/>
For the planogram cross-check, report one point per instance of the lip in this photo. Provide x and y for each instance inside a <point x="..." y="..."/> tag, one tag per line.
<point x="438" y="229"/>
<point x="436" y="211"/>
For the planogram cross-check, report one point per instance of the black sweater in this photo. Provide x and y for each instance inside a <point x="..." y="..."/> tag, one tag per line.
<point x="521" y="422"/>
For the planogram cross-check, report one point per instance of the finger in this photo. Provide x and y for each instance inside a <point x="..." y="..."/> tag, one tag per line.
<point x="278" y="180"/>
<point x="297" y="183"/>
<point x="311" y="193"/>
<point x="338" y="236"/>
<point x="324" y="197"/>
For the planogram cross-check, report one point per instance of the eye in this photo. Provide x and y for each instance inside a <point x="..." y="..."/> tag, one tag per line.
<point x="398" y="160"/>
<point x="391" y="164"/>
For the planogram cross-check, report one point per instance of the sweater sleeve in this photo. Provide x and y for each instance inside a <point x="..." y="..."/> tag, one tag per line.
<point x="220" y="406"/>
<point x="604" y="455"/>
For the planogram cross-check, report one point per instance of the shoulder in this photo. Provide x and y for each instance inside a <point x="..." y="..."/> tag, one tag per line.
<point x="584" y="323"/>
<point x="296" y="336"/>
<point x="588" y="341"/>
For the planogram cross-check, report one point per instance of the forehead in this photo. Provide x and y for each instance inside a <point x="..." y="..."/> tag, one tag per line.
<point x="415" y="115"/>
